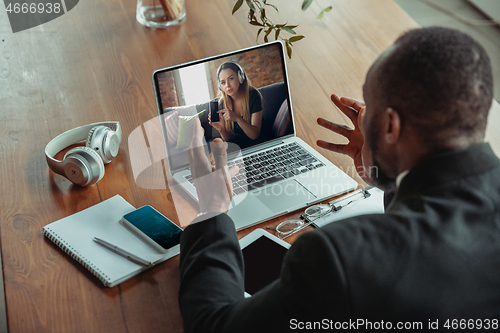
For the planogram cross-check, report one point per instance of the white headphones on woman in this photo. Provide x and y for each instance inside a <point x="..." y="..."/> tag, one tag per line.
<point x="85" y="165"/>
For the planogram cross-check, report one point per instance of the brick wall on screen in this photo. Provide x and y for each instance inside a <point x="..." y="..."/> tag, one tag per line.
<point x="167" y="90"/>
<point x="262" y="66"/>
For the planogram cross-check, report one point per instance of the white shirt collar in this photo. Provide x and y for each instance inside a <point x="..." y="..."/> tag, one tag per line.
<point x="400" y="177"/>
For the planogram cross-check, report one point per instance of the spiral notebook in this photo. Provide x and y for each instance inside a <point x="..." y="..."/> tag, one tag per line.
<point x="75" y="235"/>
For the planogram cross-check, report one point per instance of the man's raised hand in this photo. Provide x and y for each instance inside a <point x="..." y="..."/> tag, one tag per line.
<point x="356" y="148"/>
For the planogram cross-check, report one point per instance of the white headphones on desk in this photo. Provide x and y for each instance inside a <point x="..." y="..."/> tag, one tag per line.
<point x="85" y="165"/>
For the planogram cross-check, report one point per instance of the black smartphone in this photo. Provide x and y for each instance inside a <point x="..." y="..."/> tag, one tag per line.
<point x="154" y="227"/>
<point x="213" y="107"/>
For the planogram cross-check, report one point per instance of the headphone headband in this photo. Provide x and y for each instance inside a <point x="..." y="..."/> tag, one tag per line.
<point x="229" y="62"/>
<point x="71" y="137"/>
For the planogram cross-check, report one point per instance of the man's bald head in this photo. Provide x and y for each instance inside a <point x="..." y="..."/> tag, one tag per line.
<point x="440" y="82"/>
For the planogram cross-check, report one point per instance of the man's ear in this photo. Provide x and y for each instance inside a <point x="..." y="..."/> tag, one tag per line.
<point x="393" y="126"/>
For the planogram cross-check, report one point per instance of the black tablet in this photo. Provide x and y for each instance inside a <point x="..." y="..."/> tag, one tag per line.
<point x="263" y="254"/>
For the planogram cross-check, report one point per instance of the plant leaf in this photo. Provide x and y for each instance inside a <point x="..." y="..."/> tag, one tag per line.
<point x="251" y="16"/>
<point x="277" y="34"/>
<point x="250" y="5"/>
<point x="268" y="4"/>
<point x="256" y="23"/>
<point x="287" y="29"/>
<point x="237" y="5"/>
<point x="288" y="50"/>
<point x="296" y="38"/>
<point x="306" y="4"/>
<point x="267" y="34"/>
<point x="258" y="33"/>
<point x="327" y="9"/>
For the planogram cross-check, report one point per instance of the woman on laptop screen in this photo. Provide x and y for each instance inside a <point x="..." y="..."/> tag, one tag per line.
<point x="240" y="115"/>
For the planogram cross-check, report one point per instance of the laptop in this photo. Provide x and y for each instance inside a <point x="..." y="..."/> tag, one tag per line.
<point x="279" y="172"/>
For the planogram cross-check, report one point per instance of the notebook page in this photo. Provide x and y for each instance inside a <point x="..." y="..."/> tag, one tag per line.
<point x="77" y="232"/>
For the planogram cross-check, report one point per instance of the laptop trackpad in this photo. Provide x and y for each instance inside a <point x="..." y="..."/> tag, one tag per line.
<point x="284" y="196"/>
<point x="262" y="204"/>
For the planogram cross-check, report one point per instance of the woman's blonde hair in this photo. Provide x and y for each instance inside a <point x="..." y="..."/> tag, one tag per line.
<point x="226" y="101"/>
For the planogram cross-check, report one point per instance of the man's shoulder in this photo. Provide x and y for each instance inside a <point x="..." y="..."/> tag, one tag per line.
<point x="391" y="235"/>
<point x="375" y="224"/>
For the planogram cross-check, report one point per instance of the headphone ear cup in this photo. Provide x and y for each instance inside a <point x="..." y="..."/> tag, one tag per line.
<point x="83" y="166"/>
<point x="90" y="135"/>
<point x="241" y="76"/>
<point x="104" y="141"/>
<point x="92" y="141"/>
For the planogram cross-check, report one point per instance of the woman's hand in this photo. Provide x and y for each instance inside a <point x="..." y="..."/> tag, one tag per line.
<point x="229" y="115"/>
<point x="220" y="125"/>
<point x="357" y="148"/>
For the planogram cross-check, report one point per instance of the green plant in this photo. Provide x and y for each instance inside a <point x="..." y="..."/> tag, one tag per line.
<point x="257" y="17"/>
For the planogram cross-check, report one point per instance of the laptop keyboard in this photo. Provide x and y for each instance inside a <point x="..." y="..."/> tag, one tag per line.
<point x="270" y="166"/>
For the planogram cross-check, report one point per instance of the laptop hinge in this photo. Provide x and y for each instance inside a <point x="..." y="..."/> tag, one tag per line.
<point x="263" y="146"/>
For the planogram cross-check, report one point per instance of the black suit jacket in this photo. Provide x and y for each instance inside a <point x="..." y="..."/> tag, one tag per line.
<point x="434" y="255"/>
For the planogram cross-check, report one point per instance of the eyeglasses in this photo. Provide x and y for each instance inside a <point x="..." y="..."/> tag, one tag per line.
<point x="313" y="213"/>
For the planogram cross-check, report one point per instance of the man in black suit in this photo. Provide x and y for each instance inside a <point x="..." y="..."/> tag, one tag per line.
<point x="431" y="261"/>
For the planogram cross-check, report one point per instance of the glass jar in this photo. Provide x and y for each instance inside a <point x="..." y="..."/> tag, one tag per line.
<point x="160" y="13"/>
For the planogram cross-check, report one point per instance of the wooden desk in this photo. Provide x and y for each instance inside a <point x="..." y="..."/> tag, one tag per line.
<point x="95" y="64"/>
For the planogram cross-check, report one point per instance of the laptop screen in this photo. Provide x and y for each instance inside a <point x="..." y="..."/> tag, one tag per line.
<point x="250" y="84"/>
